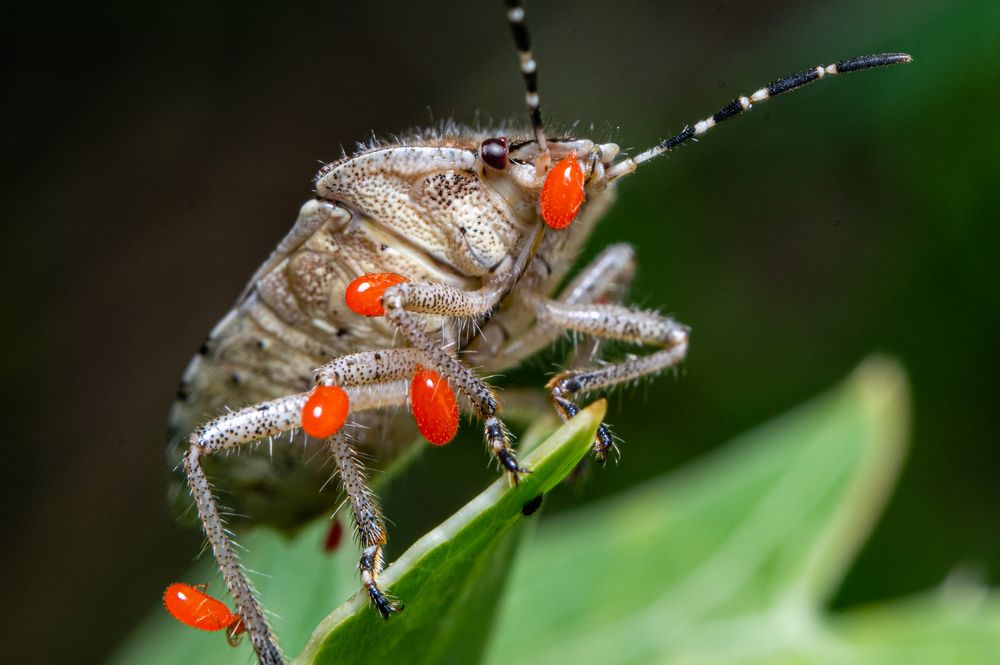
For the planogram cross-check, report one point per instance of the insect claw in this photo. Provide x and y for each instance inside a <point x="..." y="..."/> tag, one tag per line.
<point x="382" y="603"/>
<point x="514" y="475"/>
<point x="603" y="442"/>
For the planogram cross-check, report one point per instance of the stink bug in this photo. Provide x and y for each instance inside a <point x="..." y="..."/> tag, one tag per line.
<point x="362" y="312"/>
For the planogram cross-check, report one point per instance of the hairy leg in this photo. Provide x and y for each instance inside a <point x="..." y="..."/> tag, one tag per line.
<point x="404" y="300"/>
<point x="276" y="417"/>
<point x="610" y="321"/>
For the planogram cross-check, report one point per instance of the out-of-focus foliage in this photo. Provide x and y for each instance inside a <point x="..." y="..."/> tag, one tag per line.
<point x="157" y="152"/>
<point x="735" y="558"/>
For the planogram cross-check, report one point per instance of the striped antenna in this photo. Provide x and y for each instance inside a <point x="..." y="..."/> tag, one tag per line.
<point x="529" y="70"/>
<point x="743" y="103"/>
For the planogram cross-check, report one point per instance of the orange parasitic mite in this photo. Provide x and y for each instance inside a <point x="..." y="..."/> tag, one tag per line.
<point x="333" y="537"/>
<point x="325" y="411"/>
<point x="562" y="193"/>
<point x="364" y="294"/>
<point x="434" y="407"/>
<point x="193" y="607"/>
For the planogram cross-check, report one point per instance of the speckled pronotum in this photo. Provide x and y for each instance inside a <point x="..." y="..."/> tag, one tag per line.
<point x="416" y="261"/>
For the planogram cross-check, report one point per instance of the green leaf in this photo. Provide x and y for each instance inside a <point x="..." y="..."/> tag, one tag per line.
<point x="453" y="576"/>
<point x="731" y="560"/>
<point x="450" y="580"/>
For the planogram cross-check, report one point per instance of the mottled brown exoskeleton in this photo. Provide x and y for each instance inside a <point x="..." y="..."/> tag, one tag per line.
<point x="457" y="212"/>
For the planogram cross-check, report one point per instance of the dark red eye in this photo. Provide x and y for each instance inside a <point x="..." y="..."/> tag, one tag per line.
<point x="494" y="153"/>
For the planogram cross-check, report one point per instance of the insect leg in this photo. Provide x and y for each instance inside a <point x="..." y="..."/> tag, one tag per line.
<point x="267" y="419"/>
<point x="402" y="300"/>
<point x="378" y="370"/>
<point x="371" y="367"/>
<point x="217" y="435"/>
<point x="613" y="322"/>
<point x="607" y="277"/>
<point x="367" y="519"/>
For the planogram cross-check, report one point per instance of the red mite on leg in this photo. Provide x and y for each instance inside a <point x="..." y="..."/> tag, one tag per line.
<point x="434" y="407"/>
<point x="364" y="295"/>
<point x="325" y="411"/>
<point x="562" y="193"/>
<point x="193" y="607"/>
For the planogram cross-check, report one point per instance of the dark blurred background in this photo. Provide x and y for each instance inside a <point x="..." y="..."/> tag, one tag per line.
<point x="154" y="154"/>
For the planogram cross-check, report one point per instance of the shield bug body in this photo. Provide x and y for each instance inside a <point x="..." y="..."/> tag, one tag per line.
<point x="417" y="260"/>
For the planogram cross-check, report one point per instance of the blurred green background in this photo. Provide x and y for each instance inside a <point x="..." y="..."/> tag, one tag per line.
<point x="154" y="154"/>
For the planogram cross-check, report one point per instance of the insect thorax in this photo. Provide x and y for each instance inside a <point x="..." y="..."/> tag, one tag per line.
<point x="428" y="209"/>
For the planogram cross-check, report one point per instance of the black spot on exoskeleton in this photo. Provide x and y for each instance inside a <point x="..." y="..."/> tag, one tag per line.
<point x="532" y="506"/>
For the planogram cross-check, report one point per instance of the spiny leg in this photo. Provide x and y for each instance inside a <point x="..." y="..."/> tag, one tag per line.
<point x="745" y="103"/>
<point x="368" y="368"/>
<point x="261" y="421"/>
<point x="387" y="369"/>
<point x="367" y="519"/>
<point x="614" y="322"/>
<point x="218" y="435"/>
<point x="606" y="277"/>
<point x="402" y="300"/>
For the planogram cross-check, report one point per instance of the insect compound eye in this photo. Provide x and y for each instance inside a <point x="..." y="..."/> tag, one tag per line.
<point x="493" y="152"/>
<point x="562" y="193"/>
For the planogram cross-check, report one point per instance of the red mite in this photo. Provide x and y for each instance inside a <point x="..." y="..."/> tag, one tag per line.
<point x="562" y="193"/>
<point x="364" y="295"/>
<point x="333" y="537"/>
<point x="325" y="411"/>
<point x="434" y="407"/>
<point x="195" y="608"/>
